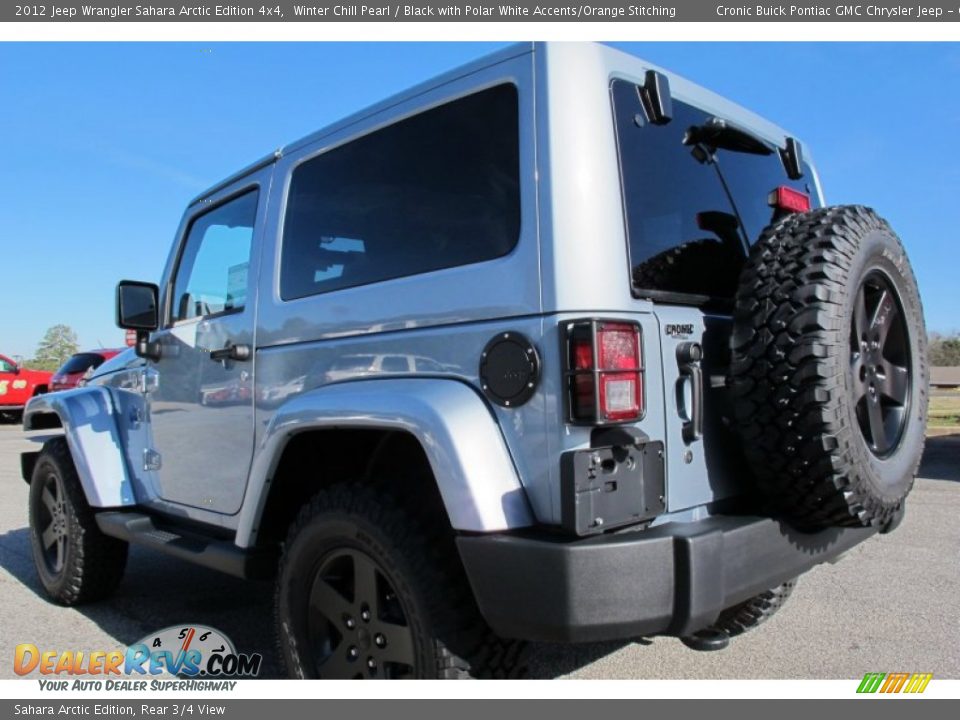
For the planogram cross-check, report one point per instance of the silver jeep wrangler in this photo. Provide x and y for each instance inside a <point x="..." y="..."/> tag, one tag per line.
<point x="557" y="346"/>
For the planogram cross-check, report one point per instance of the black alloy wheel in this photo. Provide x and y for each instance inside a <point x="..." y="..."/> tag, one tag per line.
<point x="880" y="364"/>
<point x="356" y="623"/>
<point x="52" y="526"/>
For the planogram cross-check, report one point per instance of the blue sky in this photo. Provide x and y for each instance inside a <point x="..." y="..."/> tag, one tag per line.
<point x="102" y="145"/>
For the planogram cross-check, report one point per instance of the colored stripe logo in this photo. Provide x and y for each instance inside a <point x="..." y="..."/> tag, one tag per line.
<point x="894" y="682"/>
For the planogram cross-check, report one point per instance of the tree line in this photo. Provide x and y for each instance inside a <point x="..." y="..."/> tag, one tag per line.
<point x="944" y="350"/>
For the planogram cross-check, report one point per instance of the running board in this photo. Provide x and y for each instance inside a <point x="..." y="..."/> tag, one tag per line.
<point x="194" y="547"/>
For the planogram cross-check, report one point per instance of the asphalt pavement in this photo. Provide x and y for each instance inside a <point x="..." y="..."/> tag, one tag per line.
<point x="892" y="604"/>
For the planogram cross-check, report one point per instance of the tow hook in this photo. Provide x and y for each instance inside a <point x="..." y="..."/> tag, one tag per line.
<point x="707" y="640"/>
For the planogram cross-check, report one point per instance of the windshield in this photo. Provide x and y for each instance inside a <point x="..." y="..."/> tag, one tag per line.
<point x="691" y="215"/>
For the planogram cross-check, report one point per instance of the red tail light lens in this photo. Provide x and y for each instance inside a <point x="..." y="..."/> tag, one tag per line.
<point x="605" y="372"/>
<point x="790" y="200"/>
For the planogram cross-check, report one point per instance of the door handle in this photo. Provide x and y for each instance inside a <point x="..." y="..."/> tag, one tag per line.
<point x="689" y="355"/>
<point x="239" y="352"/>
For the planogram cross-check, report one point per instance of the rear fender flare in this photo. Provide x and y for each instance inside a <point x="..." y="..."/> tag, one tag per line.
<point x="472" y="466"/>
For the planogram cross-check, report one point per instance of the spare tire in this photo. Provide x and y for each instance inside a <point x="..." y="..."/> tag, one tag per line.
<point x="828" y="369"/>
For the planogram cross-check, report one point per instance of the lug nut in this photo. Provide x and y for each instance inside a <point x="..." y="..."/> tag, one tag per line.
<point x="365" y="614"/>
<point x="371" y="663"/>
<point x="380" y="640"/>
<point x="350" y="623"/>
<point x="353" y="653"/>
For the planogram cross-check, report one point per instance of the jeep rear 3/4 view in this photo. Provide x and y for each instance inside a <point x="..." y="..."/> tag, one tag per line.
<point x="558" y="346"/>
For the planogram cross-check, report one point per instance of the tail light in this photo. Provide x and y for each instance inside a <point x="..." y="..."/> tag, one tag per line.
<point x="789" y="200"/>
<point x="604" y="372"/>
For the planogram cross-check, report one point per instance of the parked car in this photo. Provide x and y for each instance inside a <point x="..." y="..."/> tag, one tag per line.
<point x="17" y="385"/>
<point x="593" y="361"/>
<point x="78" y="366"/>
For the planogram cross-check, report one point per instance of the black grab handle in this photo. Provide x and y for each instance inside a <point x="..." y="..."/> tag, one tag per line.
<point x="689" y="355"/>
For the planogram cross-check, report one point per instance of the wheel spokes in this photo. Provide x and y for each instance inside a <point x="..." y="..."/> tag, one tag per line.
<point x="50" y="536"/>
<point x="399" y="646"/>
<point x="339" y="665"/>
<point x="884" y="318"/>
<point x="48" y="500"/>
<point x="366" y="589"/>
<point x="880" y="362"/>
<point x="325" y="600"/>
<point x="860" y="321"/>
<point x="878" y="434"/>
<point x="895" y="382"/>
<point x="356" y="623"/>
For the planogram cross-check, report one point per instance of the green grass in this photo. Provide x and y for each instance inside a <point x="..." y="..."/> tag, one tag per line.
<point x="945" y="410"/>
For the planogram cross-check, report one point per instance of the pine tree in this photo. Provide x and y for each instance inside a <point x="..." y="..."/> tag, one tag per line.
<point x="59" y="343"/>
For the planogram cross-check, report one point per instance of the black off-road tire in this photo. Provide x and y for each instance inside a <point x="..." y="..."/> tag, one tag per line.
<point x="806" y="362"/>
<point x="416" y="563"/>
<point x="758" y="609"/>
<point x="88" y="565"/>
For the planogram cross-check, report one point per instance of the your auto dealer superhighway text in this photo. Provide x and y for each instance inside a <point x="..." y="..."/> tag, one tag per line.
<point x="799" y="11"/>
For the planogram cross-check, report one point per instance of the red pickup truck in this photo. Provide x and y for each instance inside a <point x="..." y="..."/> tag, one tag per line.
<point x="17" y="385"/>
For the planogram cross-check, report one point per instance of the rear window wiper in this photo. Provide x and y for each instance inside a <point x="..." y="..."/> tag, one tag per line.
<point x="716" y="134"/>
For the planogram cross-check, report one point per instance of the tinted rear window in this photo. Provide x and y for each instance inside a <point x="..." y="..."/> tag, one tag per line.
<point x="682" y="226"/>
<point x="434" y="191"/>
<point x="82" y="362"/>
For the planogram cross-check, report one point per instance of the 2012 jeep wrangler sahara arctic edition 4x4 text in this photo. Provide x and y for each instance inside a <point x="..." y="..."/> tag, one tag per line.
<point x="558" y="346"/>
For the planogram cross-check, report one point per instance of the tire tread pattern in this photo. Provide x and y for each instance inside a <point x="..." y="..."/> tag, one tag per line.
<point x="787" y="369"/>
<point x="758" y="609"/>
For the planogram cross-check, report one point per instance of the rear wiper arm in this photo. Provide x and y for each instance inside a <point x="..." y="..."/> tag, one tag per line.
<point x="716" y="134"/>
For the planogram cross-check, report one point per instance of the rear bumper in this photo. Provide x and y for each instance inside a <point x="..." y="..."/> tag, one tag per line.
<point x="673" y="579"/>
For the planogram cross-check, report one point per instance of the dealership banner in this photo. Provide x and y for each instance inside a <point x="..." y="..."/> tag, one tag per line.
<point x="627" y="11"/>
<point x="293" y="709"/>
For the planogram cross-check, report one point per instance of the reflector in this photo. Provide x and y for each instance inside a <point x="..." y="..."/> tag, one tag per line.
<point x="786" y="198"/>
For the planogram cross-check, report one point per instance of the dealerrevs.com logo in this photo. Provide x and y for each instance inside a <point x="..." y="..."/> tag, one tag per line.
<point x="186" y="652"/>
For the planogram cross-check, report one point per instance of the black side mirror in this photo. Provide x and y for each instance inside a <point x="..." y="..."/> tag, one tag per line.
<point x="137" y="310"/>
<point x="137" y="305"/>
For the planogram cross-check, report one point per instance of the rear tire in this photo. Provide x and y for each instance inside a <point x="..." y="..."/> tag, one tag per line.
<point x="76" y="563"/>
<point x="829" y="370"/>
<point x="368" y="590"/>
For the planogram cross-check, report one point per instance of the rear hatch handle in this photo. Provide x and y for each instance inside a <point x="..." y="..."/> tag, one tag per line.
<point x="689" y="355"/>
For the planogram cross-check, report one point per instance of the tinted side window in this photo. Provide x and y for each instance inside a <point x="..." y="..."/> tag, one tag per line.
<point x="434" y="191"/>
<point x="212" y="272"/>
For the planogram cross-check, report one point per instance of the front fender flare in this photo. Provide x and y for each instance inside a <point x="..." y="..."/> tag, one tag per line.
<point x="89" y="419"/>
<point x="460" y="437"/>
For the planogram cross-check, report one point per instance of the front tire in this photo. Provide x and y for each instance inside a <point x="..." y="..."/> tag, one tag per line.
<point x="367" y="590"/>
<point x="76" y="563"/>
